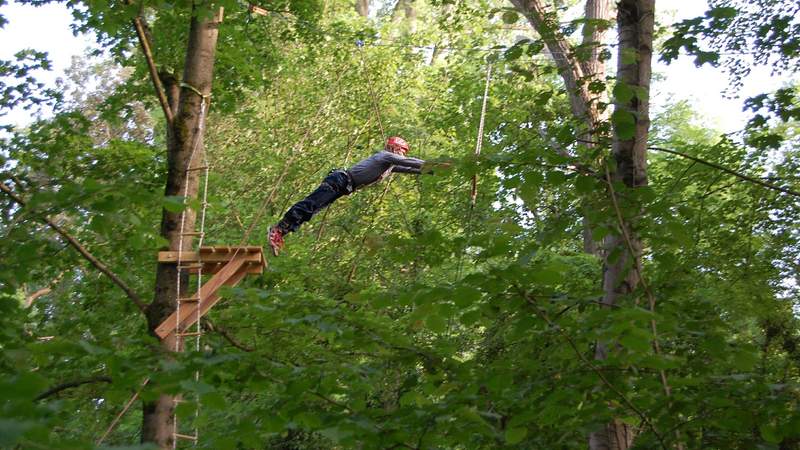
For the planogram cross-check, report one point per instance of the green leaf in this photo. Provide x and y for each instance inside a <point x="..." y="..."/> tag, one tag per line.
<point x="585" y="184"/>
<point x="636" y="340"/>
<point x="436" y="323"/>
<point x="11" y="430"/>
<point x="624" y="123"/>
<point x="510" y="17"/>
<point x="464" y="296"/>
<point x="174" y="203"/>
<point x="770" y="433"/>
<point x="515" y="435"/>
<point x="623" y="93"/>
<point x="514" y="52"/>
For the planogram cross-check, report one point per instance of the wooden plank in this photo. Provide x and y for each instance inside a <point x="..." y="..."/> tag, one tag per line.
<point x="210" y="269"/>
<point x="194" y="257"/>
<point x="228" y="249"/>
<point x="207" y="303"/>
<point x="188" y="312"/>
<point x="258" y="10"/>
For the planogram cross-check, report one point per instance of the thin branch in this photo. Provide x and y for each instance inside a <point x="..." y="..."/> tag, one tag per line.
<point x="637" y="265"/>
<point x="716" y="166"/>
<point x="728" y="171"/>
<point x="123" y="411"/>
<point x="151" y="66"/>
<point x="71" y="384"/>
<point x="29" y="299"/>
<point x="646" y="420"/>
<point x="226" y="335"/>
<point x="99" y="265"/>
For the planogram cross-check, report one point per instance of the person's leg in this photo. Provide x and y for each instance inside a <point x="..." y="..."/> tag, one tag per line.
<point x="333" y="187"/>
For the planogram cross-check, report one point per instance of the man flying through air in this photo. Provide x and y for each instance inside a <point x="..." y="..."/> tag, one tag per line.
<point x="341" y="182"/>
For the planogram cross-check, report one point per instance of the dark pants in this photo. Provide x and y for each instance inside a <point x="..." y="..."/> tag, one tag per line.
<point x="335" y="185"/>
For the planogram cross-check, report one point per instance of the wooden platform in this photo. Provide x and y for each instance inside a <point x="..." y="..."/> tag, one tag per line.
<point x="228" y="265"/>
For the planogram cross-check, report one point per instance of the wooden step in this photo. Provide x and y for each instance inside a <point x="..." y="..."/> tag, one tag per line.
<point x="214" y="258"/>
<point x="229" y="275"/>
<point x="188" y="437"/>
<point x="190" y="333"/>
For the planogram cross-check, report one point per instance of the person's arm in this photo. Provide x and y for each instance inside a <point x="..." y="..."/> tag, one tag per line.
<point x="403" y="169"/>
<point x="397" y="160"/>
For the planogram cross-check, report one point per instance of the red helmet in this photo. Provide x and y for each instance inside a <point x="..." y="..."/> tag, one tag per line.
<point x="397" y="144"/>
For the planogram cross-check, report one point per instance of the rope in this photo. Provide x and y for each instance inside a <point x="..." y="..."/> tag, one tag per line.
<point x="295" y="149"/>
<point x="479" y="143"/>
<point x="122" y="413"/>
<point x="204" y="100"/>
<point x="474" y="193"/>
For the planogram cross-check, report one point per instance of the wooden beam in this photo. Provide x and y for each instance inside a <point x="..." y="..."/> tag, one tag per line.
<point x="228" y="274"/>
<point x="205" y="258"/>
<point x="213" y="259"/>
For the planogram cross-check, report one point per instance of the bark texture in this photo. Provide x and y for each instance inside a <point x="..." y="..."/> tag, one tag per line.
<point x="406" y="10"/>
<point x="635" y="21"/>
<point x="362" y="7"/>
<point x="578" y="67"/>
<point x="183" y="138"/>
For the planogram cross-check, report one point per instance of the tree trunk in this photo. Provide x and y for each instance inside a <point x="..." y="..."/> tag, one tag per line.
<point x="362" y="8"/>
<point x="635" y="19"/>
<point x="183" y="137"/>
<point x="578" y="68"/>
<point x="405" y="9"/>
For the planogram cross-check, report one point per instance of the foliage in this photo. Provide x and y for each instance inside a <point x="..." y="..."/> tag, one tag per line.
<point x="405" y="319"/>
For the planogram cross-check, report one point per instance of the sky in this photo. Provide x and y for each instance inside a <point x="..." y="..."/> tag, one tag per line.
<point x="682" y="80"/>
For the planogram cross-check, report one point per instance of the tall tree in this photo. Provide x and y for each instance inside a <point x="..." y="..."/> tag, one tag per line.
<point x="622" y="273"/>
<point x="582" y="67"/>
<point x="362" y="8"/>
<point x="184" y="148"/>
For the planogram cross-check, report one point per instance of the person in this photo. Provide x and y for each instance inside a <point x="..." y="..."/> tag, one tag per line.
<point x="340" y="182"/>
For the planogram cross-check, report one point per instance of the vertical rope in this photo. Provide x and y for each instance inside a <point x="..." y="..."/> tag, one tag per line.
<point x="479" y="143"/>
<point x="179" y="339"/>
<point x="474" y="193"/>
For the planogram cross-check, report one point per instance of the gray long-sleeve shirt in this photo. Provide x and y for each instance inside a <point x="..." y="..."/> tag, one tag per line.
<point x="380" y="165"/>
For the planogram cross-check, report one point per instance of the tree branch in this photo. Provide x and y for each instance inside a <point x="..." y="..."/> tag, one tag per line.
<point x="625" y="400"/>
<point x="715" y="166"/>
<point x="728" y="171"/>
<point x="29" y="299"/>
<point x="148" y="55"/>
<point x="71" y="384"/>
<point x="226" y="335"/>
<point x="99" y="265"/>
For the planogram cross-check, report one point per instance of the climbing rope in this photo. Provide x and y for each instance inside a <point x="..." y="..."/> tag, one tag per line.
<point x="180" y="335"/>
<point x="474" y="192"/>
<point x="479" y="142"/>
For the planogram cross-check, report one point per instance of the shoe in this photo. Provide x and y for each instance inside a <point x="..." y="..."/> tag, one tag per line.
<point x="275" y="237"/>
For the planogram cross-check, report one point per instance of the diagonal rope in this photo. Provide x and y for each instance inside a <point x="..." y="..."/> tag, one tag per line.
<point x="479" y="142"/>
<point x="122" y="412"/>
